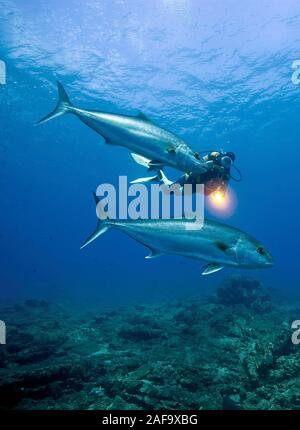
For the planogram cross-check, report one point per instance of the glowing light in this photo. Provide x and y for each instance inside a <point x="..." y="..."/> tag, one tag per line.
<point x="222" y="204"/>
<point x="218" y="197"/>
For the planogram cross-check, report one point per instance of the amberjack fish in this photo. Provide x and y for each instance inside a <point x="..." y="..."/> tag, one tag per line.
<point x="136" y="133"/>
<point x="217" y="244"/>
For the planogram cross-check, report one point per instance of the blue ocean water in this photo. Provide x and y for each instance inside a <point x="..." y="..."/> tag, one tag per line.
<point x="218" y="74"/>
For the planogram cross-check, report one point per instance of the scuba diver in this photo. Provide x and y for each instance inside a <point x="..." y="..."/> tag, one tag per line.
<point x="215" y="178"/>
<point x="217" y="175"/>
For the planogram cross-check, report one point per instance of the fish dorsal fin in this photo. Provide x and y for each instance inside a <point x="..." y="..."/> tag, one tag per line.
<point x="210" y="268"/>
<point x="153" y="253"/>
<point x="142" y="116"/>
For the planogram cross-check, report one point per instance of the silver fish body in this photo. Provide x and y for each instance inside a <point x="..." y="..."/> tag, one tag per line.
<point x="215" y="243"/>
<point x="138" y="134"/>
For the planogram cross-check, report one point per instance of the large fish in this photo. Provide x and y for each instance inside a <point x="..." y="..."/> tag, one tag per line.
<point x="137" y="133"/>
<point x="216" y="244"/>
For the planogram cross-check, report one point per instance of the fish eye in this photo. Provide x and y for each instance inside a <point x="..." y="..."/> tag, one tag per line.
<point x="261" y="250"/>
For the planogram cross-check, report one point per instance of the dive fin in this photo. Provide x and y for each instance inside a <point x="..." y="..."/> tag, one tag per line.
<point x="210" y="268"/>
<point x="145" y="180"/>
<point x="164" y="179"/>
<point x="62" y="106"/>
<point x="160" y="177"/>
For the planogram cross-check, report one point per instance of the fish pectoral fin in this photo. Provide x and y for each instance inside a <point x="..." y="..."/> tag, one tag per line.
<point x="139" y="159"/>
<point x="153" y="253"/>
<point x="210" y="268"/>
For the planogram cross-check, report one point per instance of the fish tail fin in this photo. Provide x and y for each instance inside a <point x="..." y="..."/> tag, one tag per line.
<point x="102" y="226"/>
<point x="63" y="105"/>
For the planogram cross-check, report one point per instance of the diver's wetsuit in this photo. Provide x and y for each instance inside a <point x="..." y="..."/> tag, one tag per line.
<point x="215" y="178"/>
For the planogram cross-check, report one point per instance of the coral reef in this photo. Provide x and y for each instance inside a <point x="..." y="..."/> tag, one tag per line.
<point x="240" y="290"/>
<point x="231" y="351"/>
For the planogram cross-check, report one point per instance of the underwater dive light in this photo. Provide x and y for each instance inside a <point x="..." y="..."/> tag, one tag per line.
<point x="222" y="203"/>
